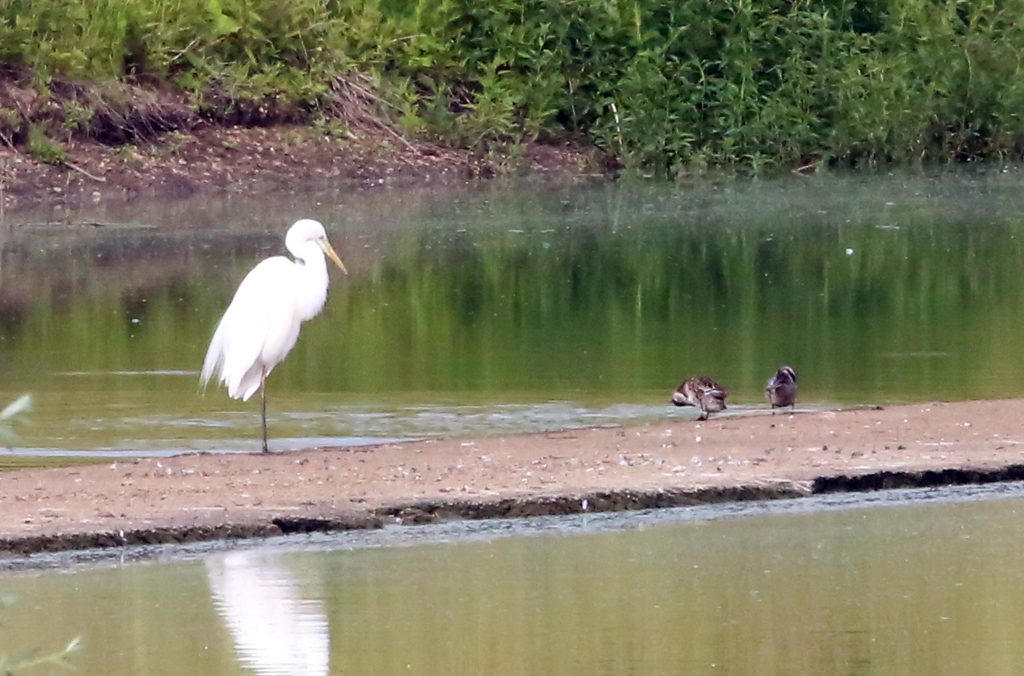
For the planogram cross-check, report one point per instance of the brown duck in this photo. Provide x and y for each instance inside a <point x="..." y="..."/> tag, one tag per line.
<point x="781" y="388"/>
<point x="702" y="392"/>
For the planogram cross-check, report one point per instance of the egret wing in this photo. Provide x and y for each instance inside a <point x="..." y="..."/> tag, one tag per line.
<point x="238" y="342"/>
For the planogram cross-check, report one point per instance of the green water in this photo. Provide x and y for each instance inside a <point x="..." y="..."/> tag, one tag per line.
<point x="923" y="589"/>
<point x="518" y="307"/>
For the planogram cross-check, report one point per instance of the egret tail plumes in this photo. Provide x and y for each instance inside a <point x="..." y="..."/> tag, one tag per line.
<point x="261" y="325"/>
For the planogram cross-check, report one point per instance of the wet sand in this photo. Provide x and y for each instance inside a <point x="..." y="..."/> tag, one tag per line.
<point x="671" y="463"/>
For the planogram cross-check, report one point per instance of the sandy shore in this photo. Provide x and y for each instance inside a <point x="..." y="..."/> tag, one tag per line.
<point x="676" y="462"/>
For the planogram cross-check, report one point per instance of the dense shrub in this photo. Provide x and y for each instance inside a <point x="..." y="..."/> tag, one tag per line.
<point x="665" y="85"/>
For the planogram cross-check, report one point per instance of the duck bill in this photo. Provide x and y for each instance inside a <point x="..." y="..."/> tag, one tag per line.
<point x="329" y="250"/>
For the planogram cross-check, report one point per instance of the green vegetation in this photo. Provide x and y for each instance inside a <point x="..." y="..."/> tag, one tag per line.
<point x="41" y="147"/>
<point x="662" y="85"/>
<point x="11" y="664"/>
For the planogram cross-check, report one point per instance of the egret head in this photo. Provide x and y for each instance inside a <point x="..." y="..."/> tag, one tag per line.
<point x="308" y="230"/>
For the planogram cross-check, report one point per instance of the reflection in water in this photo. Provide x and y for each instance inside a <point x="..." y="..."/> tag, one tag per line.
<point x="874" y="288"/>
<point x="275" y="629"/>
<point x="927" y="588"/>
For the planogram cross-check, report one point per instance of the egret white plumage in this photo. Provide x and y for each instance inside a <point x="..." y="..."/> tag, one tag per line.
<point x="261" y="324"/>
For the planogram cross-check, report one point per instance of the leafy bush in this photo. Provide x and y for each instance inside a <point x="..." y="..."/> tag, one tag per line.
<point x="664" y="85"/>
<point x="43" y="148"/>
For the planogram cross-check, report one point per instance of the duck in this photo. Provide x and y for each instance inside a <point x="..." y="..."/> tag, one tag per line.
<point x="702" y="392"/>
<point x="781" y="388"/>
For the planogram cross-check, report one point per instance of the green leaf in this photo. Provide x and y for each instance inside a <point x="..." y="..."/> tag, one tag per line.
<point x="22" y="404"/>
<point x="222" y="23"/>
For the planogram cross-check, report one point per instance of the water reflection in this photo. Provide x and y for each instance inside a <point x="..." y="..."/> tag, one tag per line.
<point x="511" y="298"/>
<point x="276" y="629"/>
<point x="921" y="588"/>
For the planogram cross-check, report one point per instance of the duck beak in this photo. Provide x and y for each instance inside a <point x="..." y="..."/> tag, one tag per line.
<point x="329" y="250"/>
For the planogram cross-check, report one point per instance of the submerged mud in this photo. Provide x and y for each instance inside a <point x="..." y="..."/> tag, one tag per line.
<point x="879" y="481"/>
<point x="412" y="514"/>
<point x="435" y="512"/>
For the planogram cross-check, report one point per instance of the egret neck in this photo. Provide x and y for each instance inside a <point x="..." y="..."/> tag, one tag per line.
<point x="311" y="274"/>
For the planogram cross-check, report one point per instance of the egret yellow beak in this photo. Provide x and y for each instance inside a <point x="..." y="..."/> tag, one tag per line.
<point x="329" y="250"/>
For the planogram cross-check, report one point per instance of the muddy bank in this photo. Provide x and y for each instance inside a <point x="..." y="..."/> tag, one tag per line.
<point x="671" y="463"/>
<point x="283" y="158"/>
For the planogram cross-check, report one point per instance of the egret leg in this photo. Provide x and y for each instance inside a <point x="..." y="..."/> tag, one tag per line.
<point x="263" y="405"/>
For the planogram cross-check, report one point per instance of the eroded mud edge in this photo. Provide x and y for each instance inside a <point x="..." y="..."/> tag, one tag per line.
<point x="432" y="512"/>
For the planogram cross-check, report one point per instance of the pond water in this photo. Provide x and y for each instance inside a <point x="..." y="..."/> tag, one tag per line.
<point x="514" y="307"/>
<point x="795" y="587"/>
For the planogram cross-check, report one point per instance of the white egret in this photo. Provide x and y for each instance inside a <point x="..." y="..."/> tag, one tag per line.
<point x="262" y="322"/>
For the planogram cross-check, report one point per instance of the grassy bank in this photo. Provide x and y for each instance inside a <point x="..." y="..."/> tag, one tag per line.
<point x="661" y="85"/>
